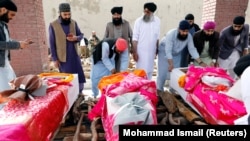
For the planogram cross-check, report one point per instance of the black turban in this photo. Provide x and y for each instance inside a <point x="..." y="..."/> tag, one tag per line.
<point x="242" y="64"/>
<point x="117" y="10"/>
<point x="64" y="7"/>
<point x="150" y="6"/>
<point x="189" y="17"/>
<point x="8" y="4"/>
<point x="183" y="25"/>
<point x="239" y="20"/>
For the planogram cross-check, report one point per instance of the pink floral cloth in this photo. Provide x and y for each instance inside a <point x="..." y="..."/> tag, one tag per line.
<point x="130" y="83"/>
<point x="215" y="107"/>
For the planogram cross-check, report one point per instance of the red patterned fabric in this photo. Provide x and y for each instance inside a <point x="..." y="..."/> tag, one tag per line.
<point x="41" y="116"/>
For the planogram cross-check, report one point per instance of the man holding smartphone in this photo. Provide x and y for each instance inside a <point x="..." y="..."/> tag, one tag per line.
<point x="64" y="34"/>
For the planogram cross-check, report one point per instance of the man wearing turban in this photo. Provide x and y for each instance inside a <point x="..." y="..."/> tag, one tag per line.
<point x="8" y="11"/>
<point x="105" y="60"/>
<point x="64" y="34"/>
<point x="185" y="60"/>
<point x="207" y="43"/>
<point x="146" y="35"/>
<point x="242" y="70"/>
<point x="169" y="52"/>
<point x="119" y="27"/>
<point x="233" y="44"/>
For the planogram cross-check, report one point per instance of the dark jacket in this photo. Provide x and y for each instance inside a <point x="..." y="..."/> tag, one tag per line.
<point x="199" y="41"/>
<point x="5" y="45"/>
<point x="227" y="41"/>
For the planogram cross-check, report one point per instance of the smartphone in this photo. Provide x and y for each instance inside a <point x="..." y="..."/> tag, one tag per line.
<point x="70" y="35"/>
<point x="31" y="42"/>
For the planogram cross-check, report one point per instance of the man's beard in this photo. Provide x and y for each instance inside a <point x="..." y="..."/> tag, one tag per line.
<point x="5" y="18"/>
<point x="147" y="18"/>
<point x="208" y="37"/>
<point x="182" y="37"/>
<point x="117" y="21"/>
<point x="236" y="32"/>
<point x="66" y="21"/>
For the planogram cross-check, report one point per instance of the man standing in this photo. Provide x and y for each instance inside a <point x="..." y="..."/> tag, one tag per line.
<point x="169" y="53"/>
<point x="118" y="27"/>
<point x="64" y="34"/>
<point x="146" y="35"/>
<point x="233" y="44"/>
<point x="105" y="58"/>
<point x="8" y="11"/>
<point x="207" y="43"/>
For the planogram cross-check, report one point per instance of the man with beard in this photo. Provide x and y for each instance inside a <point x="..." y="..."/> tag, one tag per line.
<point x="207" y="43"/>
<point x="105" y="60"/>
<point x="8" y="11"/>
<point x="64" y="34"/>
<point x="233" y="44"/>
<point x="118" y="27"/>
<point x="185" y="60"/>
<point x="146" y="35"/>
<point x="169" y="52"/>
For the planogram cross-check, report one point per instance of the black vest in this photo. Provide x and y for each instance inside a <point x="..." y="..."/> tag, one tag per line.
<point x="97" y="53"/>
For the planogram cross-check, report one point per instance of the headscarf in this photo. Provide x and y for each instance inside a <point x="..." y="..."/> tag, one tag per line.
<point x="121" y="44"/>
<point x="239" y="20"/>
<point x="189" y="17"/>
<point x="242" y="64"/>
<point x="209" y="25"/>
<point x="117" y="10"/>
<point x="150" y="6"/>
<point x="8" y="4"/>
<point x="183" y="25"/>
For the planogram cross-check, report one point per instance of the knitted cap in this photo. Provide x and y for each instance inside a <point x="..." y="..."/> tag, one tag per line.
<point x="64" y="7"/>
<point x="121" y="44"/>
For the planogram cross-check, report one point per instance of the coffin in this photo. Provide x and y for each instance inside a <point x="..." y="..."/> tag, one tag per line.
<point x="39" y="118"/>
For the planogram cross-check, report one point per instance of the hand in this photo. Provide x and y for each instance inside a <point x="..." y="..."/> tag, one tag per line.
<point x="170" y="67"/>
<point x="113" y="71"/>
<point x="202" y="64"/>
<point x="71" y="37"/>
<point x="25" y="43"/>
<point x="56" y="64"/>
<point x="135" y="56"/>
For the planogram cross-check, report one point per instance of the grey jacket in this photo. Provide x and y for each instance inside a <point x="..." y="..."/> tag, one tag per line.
<point x="6" y="45"/>
<point x="226" y="41"/>
<point x="126" y="31"/>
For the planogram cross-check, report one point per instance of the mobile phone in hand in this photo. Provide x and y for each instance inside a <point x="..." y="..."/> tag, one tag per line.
<point x="70" y="35"/>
